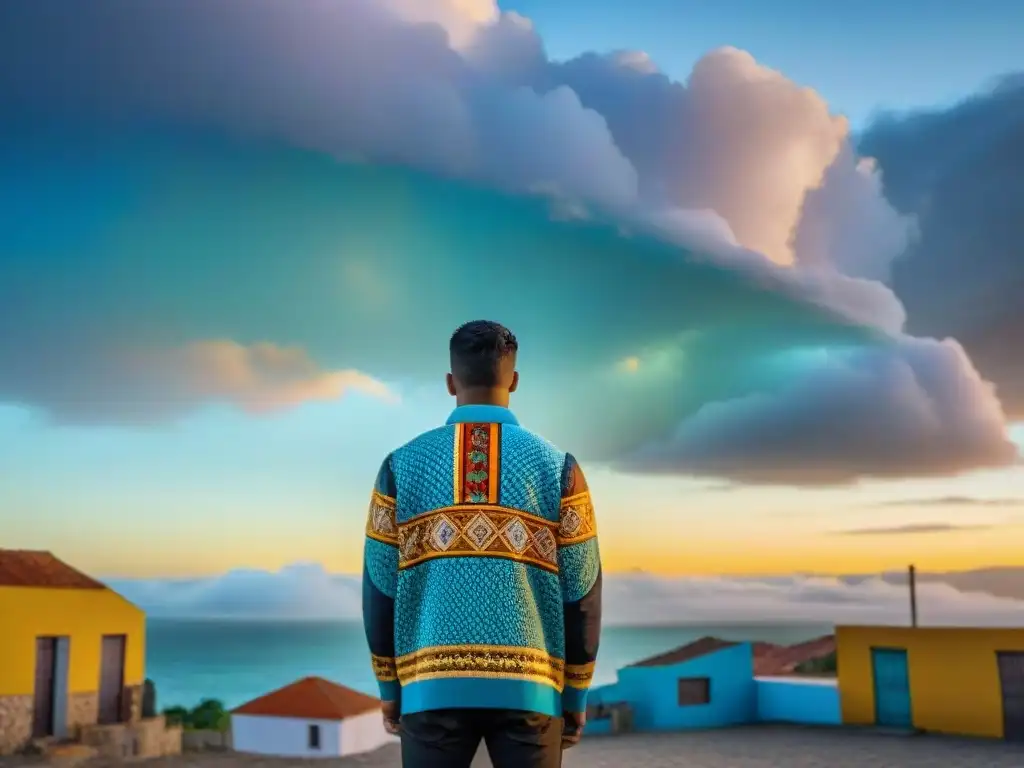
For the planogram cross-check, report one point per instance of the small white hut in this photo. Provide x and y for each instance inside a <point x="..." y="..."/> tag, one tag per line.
<point x="311" y="717"/>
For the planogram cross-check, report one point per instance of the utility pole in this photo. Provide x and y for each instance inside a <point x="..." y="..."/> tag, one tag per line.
<point x="912" y="582"/>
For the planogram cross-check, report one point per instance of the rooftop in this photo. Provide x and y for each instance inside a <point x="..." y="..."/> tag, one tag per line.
<point x="771" y="659"/>
<point x="693" y="650"/>
<point x="29" y="568"/>
<point x="311" y="698"/>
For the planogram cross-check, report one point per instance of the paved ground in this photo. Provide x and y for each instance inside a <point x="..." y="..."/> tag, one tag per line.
<point x="753" y="747"/>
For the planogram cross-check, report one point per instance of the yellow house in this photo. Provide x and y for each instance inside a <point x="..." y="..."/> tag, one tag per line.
<point x="966" y="681"/>
<point x="71" y="651"/>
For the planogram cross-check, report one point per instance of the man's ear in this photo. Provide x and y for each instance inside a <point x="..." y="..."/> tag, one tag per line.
<point x="515" y="381"/>
<point x="450" y="381"/>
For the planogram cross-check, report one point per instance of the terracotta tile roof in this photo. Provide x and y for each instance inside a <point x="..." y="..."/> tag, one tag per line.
<point x="771" y="659"/>
<point x="698" y="648"/>
<point x="26" y="568"/>
<point x="311" y="698"/>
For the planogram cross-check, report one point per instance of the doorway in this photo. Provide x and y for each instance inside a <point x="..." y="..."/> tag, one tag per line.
<point x="1011" y="680"/>
<point x="45" y="684"/>
<point x="892" y="688"/>
<point x="111" y="709"/>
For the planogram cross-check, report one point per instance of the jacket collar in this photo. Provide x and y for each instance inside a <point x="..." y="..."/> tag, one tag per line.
<point x="482" y="414"/>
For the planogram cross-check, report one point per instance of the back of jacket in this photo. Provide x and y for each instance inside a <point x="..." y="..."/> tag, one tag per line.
<point x="482" y="576"/>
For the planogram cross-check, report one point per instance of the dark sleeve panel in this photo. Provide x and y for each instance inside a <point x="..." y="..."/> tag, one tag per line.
<point x="379" y="623"/>
<point x="583" y="627"/>
<point x="580" y="573"/>
<point x="380" y="576"/>
<point x="573" y="480"/>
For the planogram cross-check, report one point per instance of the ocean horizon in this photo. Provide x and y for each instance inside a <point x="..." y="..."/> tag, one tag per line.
<point x="235" y="660"/>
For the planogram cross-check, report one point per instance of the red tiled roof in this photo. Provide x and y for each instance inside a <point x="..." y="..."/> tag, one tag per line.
<point x="311" y="698"/>
<point x="771" y="659"/>
<point x="693" y="650"/>
<point x="26" y="568"/>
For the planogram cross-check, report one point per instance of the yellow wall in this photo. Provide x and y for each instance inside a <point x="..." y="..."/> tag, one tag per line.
<point x="954" y="676"/>
<point x="84" y="615"/>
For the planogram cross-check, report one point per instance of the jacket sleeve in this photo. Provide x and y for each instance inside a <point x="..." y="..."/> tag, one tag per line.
<point x="579" y="564"/>
<point x="380" y="580"/>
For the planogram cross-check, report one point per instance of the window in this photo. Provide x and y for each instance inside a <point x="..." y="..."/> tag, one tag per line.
<point x="314" y="737"/>
<point x="694" y="691"/>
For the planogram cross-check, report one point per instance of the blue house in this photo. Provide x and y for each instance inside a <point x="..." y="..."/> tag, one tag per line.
<point x="709" y="683"/>
<point x="706" y="684"/>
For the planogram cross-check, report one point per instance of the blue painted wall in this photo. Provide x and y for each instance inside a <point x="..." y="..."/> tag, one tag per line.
<point x="605" y="694"/>
<point x="795" y="701"/>
<point x="654" y="693"/>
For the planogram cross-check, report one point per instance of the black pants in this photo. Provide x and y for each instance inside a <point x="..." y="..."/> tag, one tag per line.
<point x="449" y="738"/>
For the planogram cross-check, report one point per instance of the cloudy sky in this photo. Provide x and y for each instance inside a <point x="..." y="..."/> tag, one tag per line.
<point x="765" y="271"/>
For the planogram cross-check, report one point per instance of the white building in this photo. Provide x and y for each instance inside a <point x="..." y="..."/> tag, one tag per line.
<point x="311" y="717"/>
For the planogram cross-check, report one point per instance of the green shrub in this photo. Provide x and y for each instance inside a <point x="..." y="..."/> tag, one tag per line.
<point x="176" y="715"/>
<point x="208" y="715"/>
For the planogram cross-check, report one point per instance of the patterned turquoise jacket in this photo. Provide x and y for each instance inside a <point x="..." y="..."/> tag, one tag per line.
<point x="482" y="577"/>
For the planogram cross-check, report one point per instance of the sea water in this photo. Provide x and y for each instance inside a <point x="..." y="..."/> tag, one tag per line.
<point x="237" y="660"/>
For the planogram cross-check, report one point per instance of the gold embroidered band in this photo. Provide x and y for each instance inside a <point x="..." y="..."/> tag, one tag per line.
<point x="489" y="661"/>
<point x="579" y="675"/>
<point x="380" y="522"/>
<point x="478" y="529"/>
<point x="385" y="668"/>
<point x="576" y="520"/>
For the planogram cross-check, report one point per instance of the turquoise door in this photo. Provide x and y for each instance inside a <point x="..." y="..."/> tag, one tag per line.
<point x="892" y="688"/>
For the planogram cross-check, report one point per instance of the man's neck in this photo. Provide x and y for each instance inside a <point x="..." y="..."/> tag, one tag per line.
<point x="496" y="397"/>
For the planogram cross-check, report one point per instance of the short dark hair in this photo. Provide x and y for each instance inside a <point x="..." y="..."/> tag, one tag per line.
<point x="478" y="350"/>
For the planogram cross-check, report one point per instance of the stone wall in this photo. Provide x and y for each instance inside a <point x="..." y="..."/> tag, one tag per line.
<point x="133" y="694"/>
<point x="83" y="709"/>
<point x="154" y="738"/>
<point x="143" y="738"/>
<point x="16" y="714"/>
<point x="199" y="741"/>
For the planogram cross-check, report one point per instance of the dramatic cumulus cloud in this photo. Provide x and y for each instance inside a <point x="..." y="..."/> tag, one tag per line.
<point x="764" y="437"/>
<point x="153" y="386"/>
<point x="960" y="172"/>
<point x="739" y="163"/>
<point x="308" y="592"/>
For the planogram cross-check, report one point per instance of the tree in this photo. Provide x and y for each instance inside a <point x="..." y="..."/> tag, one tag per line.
<point x="209" y="714"/>
<point x="148" y="698"/>
<point x="176" y="715"/>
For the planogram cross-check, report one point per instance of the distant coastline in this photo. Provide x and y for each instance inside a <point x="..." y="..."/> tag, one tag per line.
<point x="234" y="659"/>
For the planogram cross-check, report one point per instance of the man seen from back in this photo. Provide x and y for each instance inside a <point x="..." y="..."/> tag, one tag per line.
<point x="482" y="578"/>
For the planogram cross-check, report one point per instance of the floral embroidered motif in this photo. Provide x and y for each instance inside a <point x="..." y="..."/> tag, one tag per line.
<point x="477" y="460"/>
<point x="443" y="533"/>
<point x="474" y="488"/>
<point x="576" y="520"/>
<point x="478" y="530"/>
<point x="481" y="531"/>
<point x="516" y="536"/>
<point x="544" y="540"/>
<point x="380" y="521"/>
